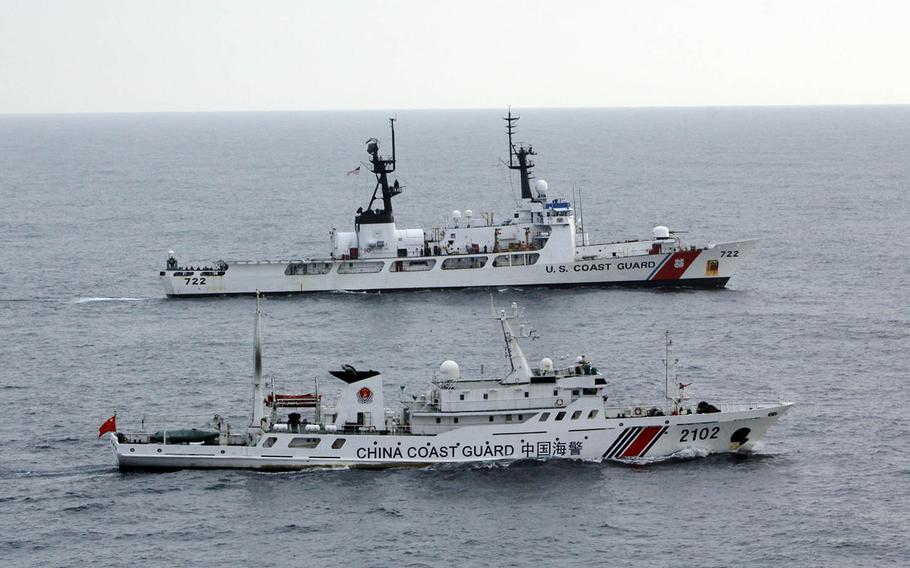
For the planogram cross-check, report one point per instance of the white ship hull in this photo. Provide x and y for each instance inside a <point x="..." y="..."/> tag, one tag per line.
<point x="627" y="438"/>
<point x="709" y="267"/>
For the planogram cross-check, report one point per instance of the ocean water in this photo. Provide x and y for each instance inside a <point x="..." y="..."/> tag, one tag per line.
<point x="819" y="316"/>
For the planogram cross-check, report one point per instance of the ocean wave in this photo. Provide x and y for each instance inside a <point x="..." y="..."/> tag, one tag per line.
<point x="103" y="299"/>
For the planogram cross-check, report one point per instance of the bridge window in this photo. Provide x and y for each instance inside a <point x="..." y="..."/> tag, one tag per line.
<point x="303" y="443"/>
<point x="338" y="444"/>
<point x="269" y="442"/>
<point x="560" y="415"/>
<point x="464" y="262"/>
<point x="360" y="267"/>
<point x="544" y="417"/>
<point x="576" y="415"/>
<point x="592" y="415"/>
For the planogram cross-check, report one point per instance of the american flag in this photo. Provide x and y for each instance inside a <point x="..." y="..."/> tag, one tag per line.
<point x="354" y="172"/>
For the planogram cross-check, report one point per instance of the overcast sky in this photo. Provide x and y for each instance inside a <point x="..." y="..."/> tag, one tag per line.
<point x="201" y="55"/>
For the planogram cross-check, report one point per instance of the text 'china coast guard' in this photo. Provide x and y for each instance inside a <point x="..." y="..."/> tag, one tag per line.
<point x="542" y="243"/>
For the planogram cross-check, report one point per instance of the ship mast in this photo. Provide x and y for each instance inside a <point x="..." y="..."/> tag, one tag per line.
<point x="381" y="166"/>
<point x="521" y="371"/>
<point x="520" y="154"/>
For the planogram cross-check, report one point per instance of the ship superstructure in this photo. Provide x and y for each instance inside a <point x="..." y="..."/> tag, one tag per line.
<point x="542" y="243"/>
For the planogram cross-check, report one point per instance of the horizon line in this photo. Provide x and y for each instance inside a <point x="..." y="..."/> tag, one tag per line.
<point x="478" y="108"/>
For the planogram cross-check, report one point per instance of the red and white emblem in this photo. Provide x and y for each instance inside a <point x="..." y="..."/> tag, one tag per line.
<point x="679" y="263"/>
<point x="365" y="395"/>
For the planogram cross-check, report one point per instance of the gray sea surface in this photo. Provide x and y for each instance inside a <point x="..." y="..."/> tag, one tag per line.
<point x="819" y="316"/>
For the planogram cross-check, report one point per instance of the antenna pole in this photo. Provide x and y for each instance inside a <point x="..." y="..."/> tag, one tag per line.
<point x="257" y="368"/>
<point x="392" y="125"/>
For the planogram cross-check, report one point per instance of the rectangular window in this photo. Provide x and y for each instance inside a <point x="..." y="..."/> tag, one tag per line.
<point x="269" y="442"/>
<point x="338" y="444"/>
<point x="438" y="420"/>
<point x="521" y="417"/>
<point x="464" y="262"/>
<point x="576" y="415"/>
<point x="544" y="417"/>
<point x="360" y="267"/>
<point x="491" y="418"/>
<point x="525" y="259"/>
<point x="555" y="392"/>
<point x="485" y="396"/>
<point x="461" y="396"/>
<point x="308" y="268"/>
<point x="412" y="265"/>
<point x="508" y="417"/>
<point x="576" y="392"/>
<point x="560" y="415"/>
<point x="588" y="391"/>
<point x="455" y="420"/>
<point x="527" y="394"/>
<point x="303" y="443"/>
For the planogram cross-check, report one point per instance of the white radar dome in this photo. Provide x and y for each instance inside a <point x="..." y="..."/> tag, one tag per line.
<point x="546" y="364"/>
<point x="468" y="213"/>
<point x="541" y="187"/>
<point x="456" y="214"/>
<point x="171" y="253"/>
<point x="661" y="232"/>
<point x="449" y="370"/>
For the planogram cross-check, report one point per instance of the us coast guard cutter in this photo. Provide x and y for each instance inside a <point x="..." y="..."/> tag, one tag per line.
<point x="538" y="412"/>
<point x="540" y="244"/>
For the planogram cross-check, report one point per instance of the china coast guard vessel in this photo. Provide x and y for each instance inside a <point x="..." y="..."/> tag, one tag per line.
<point x="538" y="412"/>
<point x="540" y="244"/>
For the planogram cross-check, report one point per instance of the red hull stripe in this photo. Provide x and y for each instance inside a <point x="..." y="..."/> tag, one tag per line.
<point x="676" y="265"/>
<point x="654" y="441"/>
<point x="641" y="441"/>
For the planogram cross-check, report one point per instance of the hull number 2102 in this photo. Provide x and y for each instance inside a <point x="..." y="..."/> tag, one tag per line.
<point x="693" y="434"/>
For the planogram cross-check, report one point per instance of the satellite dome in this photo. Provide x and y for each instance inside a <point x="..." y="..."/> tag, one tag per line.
<point x="541" y="186"/>
<point x="661" y="232"/>
<point x="468" y="213"/>
<point x="579" y="359"/>
<point x="456" y="214"/>
<point x="449" y="370"/>
<point x="546" y="364"/>
<point x="171" y="253"/>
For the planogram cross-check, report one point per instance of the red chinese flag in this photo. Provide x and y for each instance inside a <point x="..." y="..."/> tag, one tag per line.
<point x="110" y="425"/>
